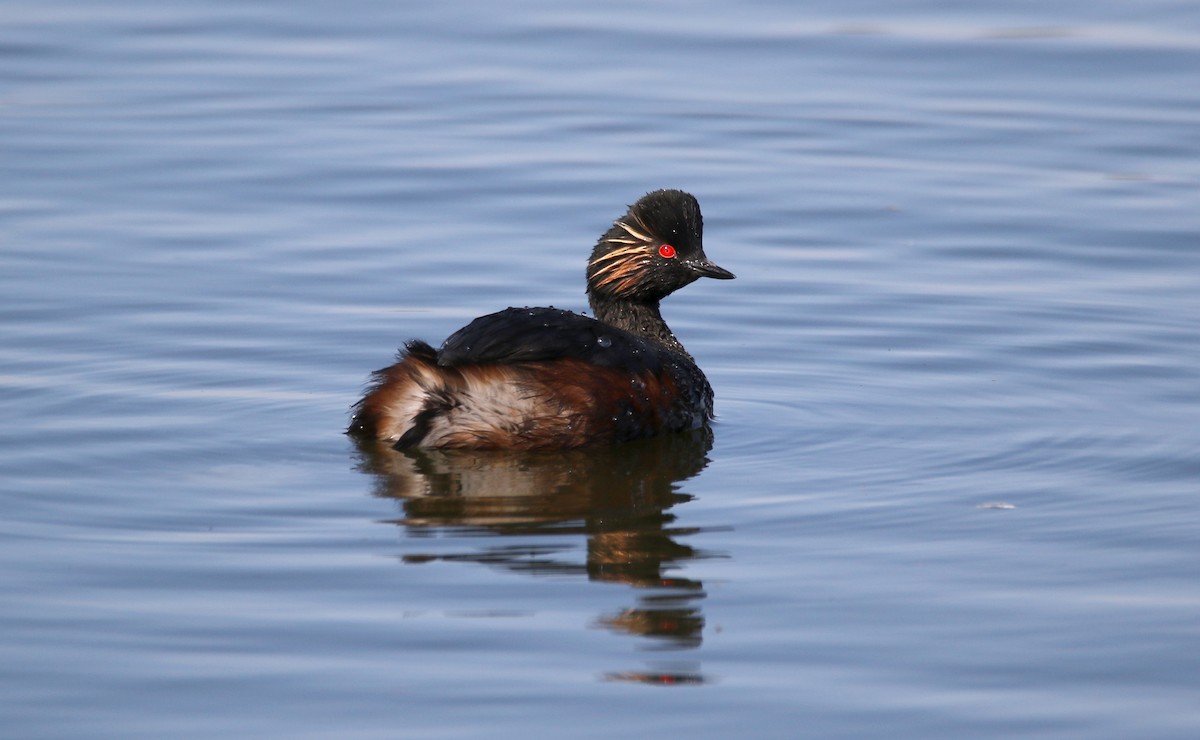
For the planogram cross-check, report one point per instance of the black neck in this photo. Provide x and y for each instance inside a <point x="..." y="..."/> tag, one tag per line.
<point x="641" y="319"/>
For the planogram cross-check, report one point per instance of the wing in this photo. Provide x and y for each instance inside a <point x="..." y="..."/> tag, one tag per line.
<point x="545" y="334"/>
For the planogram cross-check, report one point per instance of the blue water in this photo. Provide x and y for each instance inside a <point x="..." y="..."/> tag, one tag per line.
<point x="953" y="487"/>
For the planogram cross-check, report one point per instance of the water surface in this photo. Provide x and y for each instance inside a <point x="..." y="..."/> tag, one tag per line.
<point x="952" y="488"/>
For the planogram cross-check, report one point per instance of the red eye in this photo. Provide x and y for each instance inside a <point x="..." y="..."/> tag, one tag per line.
<point x="666" y="251"/>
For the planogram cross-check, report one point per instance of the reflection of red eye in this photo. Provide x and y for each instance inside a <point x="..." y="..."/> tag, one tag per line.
<point x="667" y="251"/>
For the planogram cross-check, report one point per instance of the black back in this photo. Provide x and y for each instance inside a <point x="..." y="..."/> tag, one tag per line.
<point x="544" y="334"/>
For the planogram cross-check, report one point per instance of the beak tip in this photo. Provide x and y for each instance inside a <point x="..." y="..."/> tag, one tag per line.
<point x="708" y="269"/>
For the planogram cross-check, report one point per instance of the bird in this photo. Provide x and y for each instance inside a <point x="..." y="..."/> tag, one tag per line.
<point x="546" y="378"/>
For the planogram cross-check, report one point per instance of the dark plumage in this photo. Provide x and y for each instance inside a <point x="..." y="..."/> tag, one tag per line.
<point x="527" y="378"/>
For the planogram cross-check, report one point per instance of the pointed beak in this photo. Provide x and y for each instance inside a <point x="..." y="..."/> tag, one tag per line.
<point x="704" y="268"/>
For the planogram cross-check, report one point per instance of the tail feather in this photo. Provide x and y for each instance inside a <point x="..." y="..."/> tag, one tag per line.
<point x="418" y="403"/>
<point x="400" y="396"/>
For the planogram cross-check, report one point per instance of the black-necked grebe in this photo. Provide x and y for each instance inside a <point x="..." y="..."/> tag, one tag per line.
<point x="529" y="378"/>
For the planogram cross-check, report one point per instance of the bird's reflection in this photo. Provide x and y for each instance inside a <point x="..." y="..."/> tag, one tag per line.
<point x="618" y="498"/>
